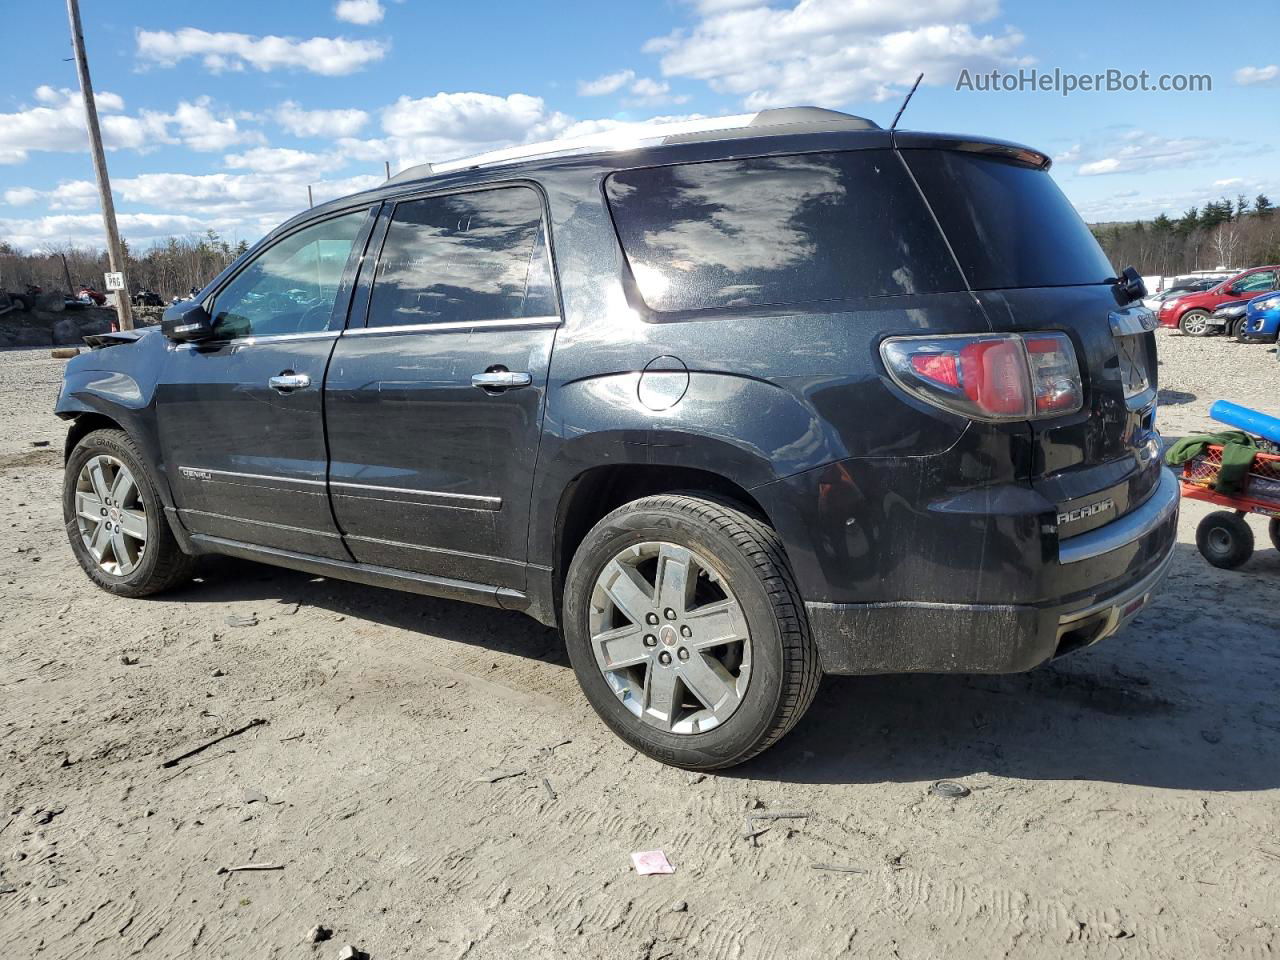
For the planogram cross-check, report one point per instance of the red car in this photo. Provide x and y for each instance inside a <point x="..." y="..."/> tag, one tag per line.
<point x="1190" y="313"/>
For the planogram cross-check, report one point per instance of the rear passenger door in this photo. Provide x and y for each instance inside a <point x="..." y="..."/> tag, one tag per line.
<point x="434" y="403"/>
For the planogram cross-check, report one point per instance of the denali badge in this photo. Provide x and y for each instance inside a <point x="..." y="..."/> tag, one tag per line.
<point x="1079" y="513"/>
<point x="191" y="473"/>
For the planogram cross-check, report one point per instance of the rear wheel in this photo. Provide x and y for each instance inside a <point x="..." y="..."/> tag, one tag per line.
<point x="1273" y="528"/>
<point x="1224" y="539"/>
<point x="1194" y="323"/>
<point x="687" y="632"/>
<point x="115" y="520"/>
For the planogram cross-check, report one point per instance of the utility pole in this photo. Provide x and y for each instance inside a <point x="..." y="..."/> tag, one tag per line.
<point x="114" y="254"/>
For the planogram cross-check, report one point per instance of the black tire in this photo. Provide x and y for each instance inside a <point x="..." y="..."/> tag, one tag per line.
<point x="1192" y="323"/>
<point x="162" y="564"/>
<point x="785" y="671"/>
<point x="1234" y="327"/>
<point x="20" y="302"/>
<point x="1224" y="539"/>
<point x="1273" y="530"/>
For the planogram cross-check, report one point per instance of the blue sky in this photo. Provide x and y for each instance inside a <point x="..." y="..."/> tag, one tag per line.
<point x="219" y="115"/>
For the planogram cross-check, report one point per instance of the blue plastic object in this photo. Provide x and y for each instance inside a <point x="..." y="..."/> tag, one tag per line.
<point x="1250" y="421"/>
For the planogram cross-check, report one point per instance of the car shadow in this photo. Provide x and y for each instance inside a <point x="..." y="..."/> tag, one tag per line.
<point x="223" y="580"/>
<point x="1174" y="701"/>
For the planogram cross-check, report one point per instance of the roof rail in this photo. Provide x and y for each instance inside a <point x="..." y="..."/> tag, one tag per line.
<point x="631" y="135"/>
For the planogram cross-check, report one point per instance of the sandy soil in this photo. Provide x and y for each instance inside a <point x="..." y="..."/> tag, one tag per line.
<point x="1124" y="801"/>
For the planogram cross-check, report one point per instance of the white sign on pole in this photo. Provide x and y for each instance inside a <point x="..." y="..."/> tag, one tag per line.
<point x="115" y="281"/>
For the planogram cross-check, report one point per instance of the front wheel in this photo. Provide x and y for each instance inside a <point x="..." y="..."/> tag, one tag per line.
<point x="115" y="520"/>
<point x="1224" y="539"/>
<point x="687" y="632"/>
<point x="1273" y="529"/>
<point x="1194" y="323"/>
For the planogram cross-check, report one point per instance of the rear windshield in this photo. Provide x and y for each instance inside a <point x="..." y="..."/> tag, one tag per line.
<point x="1009" y="225"/>
<point x="776" y="230"/>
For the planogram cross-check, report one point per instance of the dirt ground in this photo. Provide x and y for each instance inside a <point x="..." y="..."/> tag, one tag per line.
<point x="1125" y="801"/>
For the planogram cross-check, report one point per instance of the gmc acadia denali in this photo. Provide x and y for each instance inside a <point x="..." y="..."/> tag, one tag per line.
<point x="734" y="405"/>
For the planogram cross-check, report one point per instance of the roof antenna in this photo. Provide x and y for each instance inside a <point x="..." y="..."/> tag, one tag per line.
<point x="894" y="126"/>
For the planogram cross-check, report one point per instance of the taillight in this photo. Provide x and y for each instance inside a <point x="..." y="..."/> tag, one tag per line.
<point x="998" y="376"/>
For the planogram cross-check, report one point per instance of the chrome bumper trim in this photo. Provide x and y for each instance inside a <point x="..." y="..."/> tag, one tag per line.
<point x="1159" y="507"/>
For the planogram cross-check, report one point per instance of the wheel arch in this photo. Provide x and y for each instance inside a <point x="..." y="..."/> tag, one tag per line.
<point x="595" y="492"/>
<point x="82" y="425"/>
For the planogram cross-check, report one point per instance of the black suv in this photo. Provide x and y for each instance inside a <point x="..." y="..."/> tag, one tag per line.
<point x="732" y="407"/>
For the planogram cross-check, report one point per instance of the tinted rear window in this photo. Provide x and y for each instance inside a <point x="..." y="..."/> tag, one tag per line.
<point x="775" y="230"/>
<point x="1010" y="225"/>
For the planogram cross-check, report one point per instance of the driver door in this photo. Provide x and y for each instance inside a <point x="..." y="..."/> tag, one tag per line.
<point x="240" y="415"/>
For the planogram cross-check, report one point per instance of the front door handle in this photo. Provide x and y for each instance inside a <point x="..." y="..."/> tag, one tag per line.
<point x="289" y="381"/>
<point x="497" y="379"/>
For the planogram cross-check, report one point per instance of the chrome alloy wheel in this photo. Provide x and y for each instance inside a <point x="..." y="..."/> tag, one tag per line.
<point x="110" y="515"/>
<point x="670" y="637"/>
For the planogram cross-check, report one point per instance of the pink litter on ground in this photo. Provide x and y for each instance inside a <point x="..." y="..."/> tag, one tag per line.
<point x="651" y="861"/>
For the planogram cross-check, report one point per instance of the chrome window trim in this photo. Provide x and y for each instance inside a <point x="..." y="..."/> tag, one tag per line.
<point x="516" y="323"/>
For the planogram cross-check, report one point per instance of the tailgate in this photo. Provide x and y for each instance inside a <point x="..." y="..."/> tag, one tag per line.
<point x="1034" y="266"/>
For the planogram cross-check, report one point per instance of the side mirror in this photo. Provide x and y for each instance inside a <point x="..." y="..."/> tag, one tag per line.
<point x="187" y="322"/>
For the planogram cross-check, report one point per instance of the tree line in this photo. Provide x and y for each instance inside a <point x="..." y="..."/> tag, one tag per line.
<point x="170" y="268"/>
<point x="1232" y="234"/>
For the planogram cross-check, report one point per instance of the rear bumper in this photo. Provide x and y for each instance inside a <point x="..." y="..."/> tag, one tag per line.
<point x="932" y="637"/>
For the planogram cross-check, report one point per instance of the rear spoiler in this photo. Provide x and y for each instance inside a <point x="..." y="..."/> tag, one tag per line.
<point x="99" y="340"/>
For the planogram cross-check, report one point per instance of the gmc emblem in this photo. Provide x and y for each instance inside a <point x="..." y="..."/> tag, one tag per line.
<point x="1079" y="513"/>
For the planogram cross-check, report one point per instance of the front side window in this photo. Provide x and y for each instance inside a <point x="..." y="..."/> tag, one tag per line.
<point x="778" y="230"/>
<point x="291" y="286"/>
<point x="1254" y="282"/>
<point x="462" y="258"/>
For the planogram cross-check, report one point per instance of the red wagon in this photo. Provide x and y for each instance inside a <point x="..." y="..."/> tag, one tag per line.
<point x="1224" y="538"/>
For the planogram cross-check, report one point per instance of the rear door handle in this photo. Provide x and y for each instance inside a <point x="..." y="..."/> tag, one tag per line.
<point x="497" y="380"/>
<point x="288" y="380"/>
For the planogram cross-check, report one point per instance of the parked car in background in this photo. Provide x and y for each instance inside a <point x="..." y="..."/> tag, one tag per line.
<point x="1178" y="288"/>
<point x="1228" y="317"/>
<point x="1262" y="319"/>
<point x="1190" y="312"/>
<point x="888" y="410"/>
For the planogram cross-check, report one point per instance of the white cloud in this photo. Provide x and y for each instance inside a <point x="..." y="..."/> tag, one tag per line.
<point x="200" y="129"/>
<point x="833" y="51"/>
<point x="282" y="160"/>
<point x="86" y="229"/>
<point x="1229" y="182"/>
<point x="327" y="124"/>
<point x="73" y="195"/>
<point x="328" y="56"/>
<point x="363" y="12"/>
<point x="450" y="125"/>
<point x="1147" y="203"/>
<point x="21" y="196"/>
<point x="1136" y="151"/>
<point x="1266" y="76"/>
<point x="649" y="92"/>
<point x="609" y="83"/>
<point x="644" y="91"/>
<point x="58" y="124"/>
